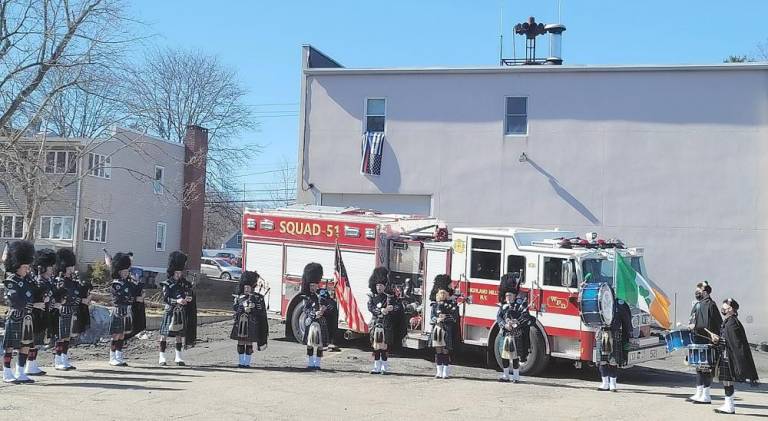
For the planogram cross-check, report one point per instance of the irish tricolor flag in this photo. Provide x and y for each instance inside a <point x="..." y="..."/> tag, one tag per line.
<point x="640" y="292"/>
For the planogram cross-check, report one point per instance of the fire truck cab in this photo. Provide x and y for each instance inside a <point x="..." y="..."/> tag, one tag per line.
<point x="553" y="265"/>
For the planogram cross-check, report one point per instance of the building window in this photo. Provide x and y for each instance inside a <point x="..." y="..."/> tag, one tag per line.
<point x="99" y="165"/>
<point x="57" y="227"/>
<point x="160" y="234"/>
<point x="516" y="115"/>
<point x="11" y="226"/>
<point x="60" y="162"/>
<point x="375" y="115"/>
<point x="95" y="230"/>
<point x="486" y="259"/>
<point x="159" y="181"/>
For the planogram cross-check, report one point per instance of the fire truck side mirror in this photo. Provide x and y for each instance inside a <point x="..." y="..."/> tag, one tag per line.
<point x="567" y="273"/>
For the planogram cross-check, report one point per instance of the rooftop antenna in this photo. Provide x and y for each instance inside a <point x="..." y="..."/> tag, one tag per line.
<point x="501" y="30"/>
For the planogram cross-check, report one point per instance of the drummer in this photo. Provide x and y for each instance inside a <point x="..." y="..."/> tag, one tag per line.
<point x="704" y="323"/>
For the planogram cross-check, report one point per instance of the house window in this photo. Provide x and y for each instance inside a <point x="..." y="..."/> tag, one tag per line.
<point x="375" y="115"/>
<point x="11" y="226"/>
<point x="486" y="259"/>
<point x="60" y="162"/>
<point x="160" y="234"/>
<point x="516" y="115"/>
<point x="159" y="182"/>
<point x="57" y="227"/>
<point x="95" y="230"/>
<point x="99" y="165"/>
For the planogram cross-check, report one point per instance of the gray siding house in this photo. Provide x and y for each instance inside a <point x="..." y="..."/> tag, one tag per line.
<point x="124" y="193"/>
<point x="670" y="158"/>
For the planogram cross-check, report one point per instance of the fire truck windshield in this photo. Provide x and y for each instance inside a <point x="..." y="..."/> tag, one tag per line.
<point x="601" y="270"/>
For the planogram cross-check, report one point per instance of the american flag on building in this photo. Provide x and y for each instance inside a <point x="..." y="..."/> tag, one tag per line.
<point x="347" y="301"/>
<point x="372" y="147"/>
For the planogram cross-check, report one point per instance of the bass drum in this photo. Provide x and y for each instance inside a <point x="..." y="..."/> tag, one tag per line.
<point x="596" y="304"/>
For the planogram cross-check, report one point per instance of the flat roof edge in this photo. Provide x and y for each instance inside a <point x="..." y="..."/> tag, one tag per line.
<point x="532" y="69"/>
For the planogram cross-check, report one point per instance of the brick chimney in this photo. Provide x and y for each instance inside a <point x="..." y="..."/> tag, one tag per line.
<point x="195" y="157"/>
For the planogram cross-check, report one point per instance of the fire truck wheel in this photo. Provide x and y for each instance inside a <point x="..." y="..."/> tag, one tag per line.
<point x="537" y="359"/>
<point x="297" y="327"/>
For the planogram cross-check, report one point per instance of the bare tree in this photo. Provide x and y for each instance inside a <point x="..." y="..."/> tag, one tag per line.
<point x="50" y="46"/>
<point x="762" y="51"/>
<point x="51" y="51"/>
<point x="283" y="191"/>
<point x="176" y="88"/>
<point x="222" y="217"/>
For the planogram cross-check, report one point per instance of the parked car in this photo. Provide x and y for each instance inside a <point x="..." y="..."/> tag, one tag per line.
<point x="219" y="268"/>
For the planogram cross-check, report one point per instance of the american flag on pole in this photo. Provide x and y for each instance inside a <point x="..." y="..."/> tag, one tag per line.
<point x="372" y="147"/>
<point x="355" y="319"/>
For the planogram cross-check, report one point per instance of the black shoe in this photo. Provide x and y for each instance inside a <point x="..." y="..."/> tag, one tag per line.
<point x="718" y="411"/>
<point x="600" y="389"/>
<point x="701" y="403"/>
<point x="181" y="364"/>
<point x="503" y="380"/>
<point x="163" y="364"/>
<point x="41" y="373"/>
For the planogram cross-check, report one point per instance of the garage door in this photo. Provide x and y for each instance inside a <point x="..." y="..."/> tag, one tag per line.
<point x="411" y="204"/>
<point x="267" y="259"/>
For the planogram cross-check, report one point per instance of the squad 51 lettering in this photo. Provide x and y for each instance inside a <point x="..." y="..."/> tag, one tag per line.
<point x="306" y="228"/>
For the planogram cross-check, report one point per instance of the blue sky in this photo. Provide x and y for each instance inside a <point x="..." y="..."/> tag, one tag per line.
<point x="261" y="40"/>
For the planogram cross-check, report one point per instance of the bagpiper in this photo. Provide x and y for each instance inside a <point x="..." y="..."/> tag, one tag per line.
<point x="123" y="296"/>
<point x="316" y="308"/>
<point x="19" y="328"/>
<point x="177" y="306"/>
<point x="705" y="321"/>
<point x="383" y="306"/>
<point x="444" y="317"/>
<point x="735" y="363"/>
<point x="68" y="295"/>
<point x="613" y="346"/>
<point x="514" y="323"/>
<point x="45" y="261"/>
<point x="250" y="319"/>
<point x="138" y="308"/>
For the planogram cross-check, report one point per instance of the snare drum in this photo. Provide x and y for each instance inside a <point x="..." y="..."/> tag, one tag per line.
<point x="678" y="339"/>
<point x="596" y="304"/>
<point x="701" y="356"/>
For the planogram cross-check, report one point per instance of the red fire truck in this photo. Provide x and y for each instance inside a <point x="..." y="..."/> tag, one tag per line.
<point x="278" y="243"/>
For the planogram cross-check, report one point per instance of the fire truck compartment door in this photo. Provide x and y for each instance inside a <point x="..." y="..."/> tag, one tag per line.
<point x="359" y="267"/>
<point x="437" y="262"/>
<point x="267" y="259"/>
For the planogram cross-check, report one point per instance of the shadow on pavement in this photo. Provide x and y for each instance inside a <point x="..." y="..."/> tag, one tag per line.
<point x="111" y="386"/>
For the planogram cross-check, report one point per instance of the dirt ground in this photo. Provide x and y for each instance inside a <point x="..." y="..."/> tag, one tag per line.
<point x="279" y="388"/>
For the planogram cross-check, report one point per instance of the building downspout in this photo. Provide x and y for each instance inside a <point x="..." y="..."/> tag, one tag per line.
<point x="76" y="224"/>
<point x="303" y="126"/>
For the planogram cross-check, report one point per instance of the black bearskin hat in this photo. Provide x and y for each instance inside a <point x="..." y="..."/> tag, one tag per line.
<point x="120" y="261"/>
<point x="380" y="275"/>
<point x="177" y="261"/>
<point x="20" y="252"/>
<point x="64" y="259"/>
<point x="44" y="258"/>
<point x="510" y="282"/>
<point x="313" y="274"/>
<point x="441" y="282"/>
<point x="249" y="278"/>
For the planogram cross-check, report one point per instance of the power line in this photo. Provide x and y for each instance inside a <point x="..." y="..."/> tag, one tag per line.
<point x="263" y="172"/>
<point x="271" y="104"/>
<point x="221" y="202"/>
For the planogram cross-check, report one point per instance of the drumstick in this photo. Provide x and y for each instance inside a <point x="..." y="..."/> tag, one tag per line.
<point x="712" y="334"/>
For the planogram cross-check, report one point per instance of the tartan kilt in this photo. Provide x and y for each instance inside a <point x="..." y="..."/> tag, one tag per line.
<point x="325" y="337"/>
<point x="83" y="319"/>
<point x="389" y="334"/>
<point x="449" y="334"/>
<point x="616" y="355"/>
<point x="66" y="320"/>
<point x="165" y="324"/>
<point x="121" y="320"/>
<point x="724" y="372"/>
<point x="14" y="326"/>
<point x="42" y="321"/>
<point x="251" y="331"/>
